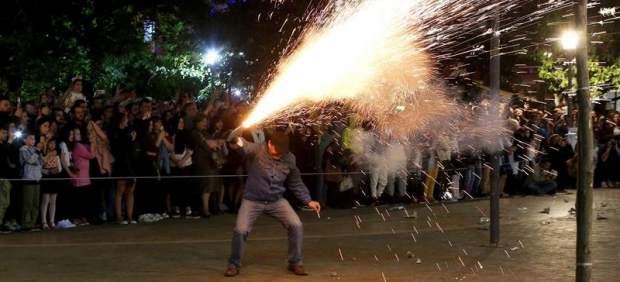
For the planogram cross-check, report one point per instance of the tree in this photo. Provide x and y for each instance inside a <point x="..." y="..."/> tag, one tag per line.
<point x="554" y="73"/>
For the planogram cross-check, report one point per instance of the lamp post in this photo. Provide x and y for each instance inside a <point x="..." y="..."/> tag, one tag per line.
<point x="585" y="149"/>
<point x="495" y="89"/>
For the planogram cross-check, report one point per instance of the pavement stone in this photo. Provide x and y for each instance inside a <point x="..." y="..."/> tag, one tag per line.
<point x="450" y="243"/>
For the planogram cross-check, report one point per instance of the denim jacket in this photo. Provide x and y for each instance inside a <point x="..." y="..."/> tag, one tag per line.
<point x="268" y="178"/>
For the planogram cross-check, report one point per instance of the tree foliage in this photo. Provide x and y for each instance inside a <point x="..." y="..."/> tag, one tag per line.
<point x="554" y="73"/>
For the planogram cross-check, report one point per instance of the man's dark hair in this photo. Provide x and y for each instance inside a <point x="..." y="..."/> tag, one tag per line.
<point x="78" y="103"/>
<point x="281" y="141"/>
<point x="41" y="121"/>
<point x="75" y="106"/>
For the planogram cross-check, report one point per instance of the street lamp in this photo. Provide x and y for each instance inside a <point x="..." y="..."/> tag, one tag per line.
<point x="237" y="92"/>
<point x="569" y="41"/>
<point x="211" y="57"/>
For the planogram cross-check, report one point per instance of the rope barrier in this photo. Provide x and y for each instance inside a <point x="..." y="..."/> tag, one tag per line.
<point x="165" y="177"/>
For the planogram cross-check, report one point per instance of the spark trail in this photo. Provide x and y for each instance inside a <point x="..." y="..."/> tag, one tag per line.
<point x="382" y="59"/>
<point x="367" y="50"/>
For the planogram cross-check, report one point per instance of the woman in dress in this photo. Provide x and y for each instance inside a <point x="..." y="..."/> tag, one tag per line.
<point x="126" y="152"/>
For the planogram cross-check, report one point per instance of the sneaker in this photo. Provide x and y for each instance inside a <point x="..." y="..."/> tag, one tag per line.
<point x="146" y="218"/>
<point x="165" y="215"/>
<point x="190" y="215"/>
<point x="13" y="226"/>
<point x="133" y="222"/>
<point x="65" y="224"/>
<point x="297" y="269"/>
<point x="104" y="217"/>
<point x="176" y="212"/>
<point x="231" y="271"/>
<point x="124" y="222"/>
<point x="4" y="229"/>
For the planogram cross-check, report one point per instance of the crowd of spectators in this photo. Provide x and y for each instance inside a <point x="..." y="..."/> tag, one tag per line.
<point x="73" y="159"/>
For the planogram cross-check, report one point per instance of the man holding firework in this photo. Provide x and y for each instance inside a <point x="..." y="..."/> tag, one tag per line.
<point x="271" y="170"/>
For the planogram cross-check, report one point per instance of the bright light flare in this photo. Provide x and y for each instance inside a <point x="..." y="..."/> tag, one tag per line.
<point x="366" y="48"/>
<point x="237" y="92"/>
<point x="569" y="40"/>
<point x="211" y="57"/>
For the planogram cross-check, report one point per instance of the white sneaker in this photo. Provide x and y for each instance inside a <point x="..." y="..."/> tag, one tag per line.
<point x="147" y="218"/>
<point x="124" y="222"/>
<point x="65" y="224"/>
<point x="134" y="222"/>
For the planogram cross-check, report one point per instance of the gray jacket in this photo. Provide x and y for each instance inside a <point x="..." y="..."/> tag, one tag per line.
<point x="31" y="161"/>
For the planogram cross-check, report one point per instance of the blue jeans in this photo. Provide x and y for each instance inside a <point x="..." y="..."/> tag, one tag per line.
<point x="280" y="210"/>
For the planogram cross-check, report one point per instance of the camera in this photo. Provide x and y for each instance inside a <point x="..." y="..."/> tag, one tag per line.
<point x="19" y="134"/>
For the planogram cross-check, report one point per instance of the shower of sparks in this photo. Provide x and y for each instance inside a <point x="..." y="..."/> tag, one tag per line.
<point x="362" y="49"/>
<point x="382" y="58"/>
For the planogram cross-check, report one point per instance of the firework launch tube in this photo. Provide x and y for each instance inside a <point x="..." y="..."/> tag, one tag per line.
<point x="236" y="133"/>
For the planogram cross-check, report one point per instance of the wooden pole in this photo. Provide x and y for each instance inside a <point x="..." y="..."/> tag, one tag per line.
<point x="494" y="86"/>
<point x="585" y="148"/>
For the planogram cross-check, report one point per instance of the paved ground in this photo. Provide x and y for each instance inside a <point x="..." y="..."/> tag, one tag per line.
<point x="450" y="243"/>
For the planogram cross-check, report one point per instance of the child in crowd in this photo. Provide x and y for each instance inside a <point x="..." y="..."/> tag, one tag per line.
<point x="31" y="163"/>
<point x="84" y="201"/>
<point x="52" y="168"/>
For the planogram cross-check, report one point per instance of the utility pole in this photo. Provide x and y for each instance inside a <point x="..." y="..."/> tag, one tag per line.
<point x="585" y="147"/>
<point x="494" y="86"/>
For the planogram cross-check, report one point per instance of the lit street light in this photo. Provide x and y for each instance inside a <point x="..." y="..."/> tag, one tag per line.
<point x="569" y="40"/>
<point x="237" y="92"/>
<point x="211" y="57"/>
